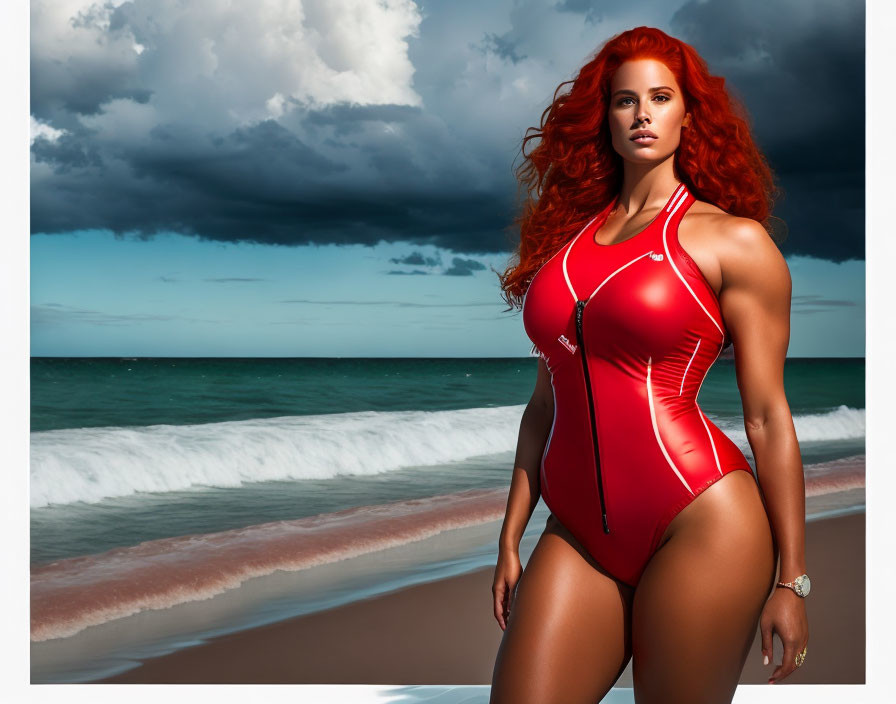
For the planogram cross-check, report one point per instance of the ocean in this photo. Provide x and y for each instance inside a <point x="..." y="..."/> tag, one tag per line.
<point x="177" y="498"/>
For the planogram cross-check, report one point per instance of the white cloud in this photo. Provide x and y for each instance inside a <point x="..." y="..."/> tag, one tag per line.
<point x="40" y="129"/>
<point x="237" y="62"/>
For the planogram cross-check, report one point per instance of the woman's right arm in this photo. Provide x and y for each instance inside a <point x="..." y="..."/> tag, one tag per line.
<point x="525" y="490"/>
<point x="525" y="487"/>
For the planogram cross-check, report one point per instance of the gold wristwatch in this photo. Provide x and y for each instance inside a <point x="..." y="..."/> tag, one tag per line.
<point x="800" y="585"/>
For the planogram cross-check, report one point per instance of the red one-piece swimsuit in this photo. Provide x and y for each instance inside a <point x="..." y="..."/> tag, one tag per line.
<point x="628" y="332"/>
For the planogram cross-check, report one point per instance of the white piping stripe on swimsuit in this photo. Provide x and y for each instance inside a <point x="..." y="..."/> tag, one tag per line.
<point x="656" y="431"/>
<point x="627" y="264"/>
<point x="678" y="273"/>
<point x="569" y="249"/>
<point x="566" y="247"/>
<point x="688" y="367"/>
<point x="712" y="443"/>
<point x="673" y="205"/>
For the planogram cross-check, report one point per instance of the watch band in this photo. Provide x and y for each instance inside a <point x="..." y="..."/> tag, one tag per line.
<point x="800" y="585"/>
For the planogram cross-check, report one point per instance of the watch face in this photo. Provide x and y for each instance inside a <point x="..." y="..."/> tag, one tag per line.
<point x="802" y="584"/>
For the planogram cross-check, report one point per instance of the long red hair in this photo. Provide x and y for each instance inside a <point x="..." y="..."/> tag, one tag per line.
<point x="575" y="172"/>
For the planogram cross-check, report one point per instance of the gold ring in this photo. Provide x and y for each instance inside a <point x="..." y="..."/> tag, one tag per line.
<point x="801" y="657"/>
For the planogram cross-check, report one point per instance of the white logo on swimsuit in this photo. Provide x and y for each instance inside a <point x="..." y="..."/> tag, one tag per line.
<point x="567" y="344"/>
<point x="655" y="257"/>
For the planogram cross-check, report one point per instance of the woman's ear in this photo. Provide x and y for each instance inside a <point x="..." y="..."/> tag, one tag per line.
<point x="686" y="120"/>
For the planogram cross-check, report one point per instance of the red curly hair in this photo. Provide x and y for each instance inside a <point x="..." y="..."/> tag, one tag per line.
<point x="576" y="172"/>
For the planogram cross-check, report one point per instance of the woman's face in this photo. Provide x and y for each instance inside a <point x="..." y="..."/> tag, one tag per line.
<point x="644" y="95"/>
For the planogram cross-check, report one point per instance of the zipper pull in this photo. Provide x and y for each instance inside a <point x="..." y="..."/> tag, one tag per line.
<point x="580" y="308"/>
<point x="606" y="525"/>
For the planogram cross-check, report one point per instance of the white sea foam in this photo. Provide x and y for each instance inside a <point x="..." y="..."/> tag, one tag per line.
<point x="842" y="423"/>
<point x="91" y="464"/>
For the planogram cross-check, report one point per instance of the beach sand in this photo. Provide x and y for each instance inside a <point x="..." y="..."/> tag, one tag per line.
<point x="443" y="632"/>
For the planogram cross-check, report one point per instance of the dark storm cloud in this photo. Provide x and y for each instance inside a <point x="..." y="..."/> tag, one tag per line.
<point x="80" y="89"/>
<point x="66" y="154"/>
<point x="258" y="184"/>
<point x="799" y="67"/>
<point x="463" y="267"/>
<point x="502" y="46"/>
<point x="150" y="147"/>
<point x="416" y="258"/>
<point x="459" y="266"/>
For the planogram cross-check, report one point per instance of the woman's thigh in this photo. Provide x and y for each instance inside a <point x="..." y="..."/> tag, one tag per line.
<point x="697" y="605"/>
<point x="568" y="634"/>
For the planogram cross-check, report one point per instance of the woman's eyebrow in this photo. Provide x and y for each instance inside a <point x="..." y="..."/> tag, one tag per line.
<point x="631" y="92"/>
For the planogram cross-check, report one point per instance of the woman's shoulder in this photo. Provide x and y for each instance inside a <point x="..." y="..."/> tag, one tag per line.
<point x="727" y="246"/>
<point x="742" y="247"/>
<point x="710" y="224"/>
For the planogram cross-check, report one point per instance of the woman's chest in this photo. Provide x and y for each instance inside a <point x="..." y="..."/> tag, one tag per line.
<point x="634" y="298"/>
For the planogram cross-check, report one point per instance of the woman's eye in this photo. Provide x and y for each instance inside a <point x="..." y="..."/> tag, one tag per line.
<point x="665" y="98"/>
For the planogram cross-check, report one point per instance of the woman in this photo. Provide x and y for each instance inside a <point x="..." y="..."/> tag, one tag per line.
<point x="643" y="259"/>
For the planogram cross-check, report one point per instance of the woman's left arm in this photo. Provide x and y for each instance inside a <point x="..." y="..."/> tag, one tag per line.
<point x="755" y="302"/>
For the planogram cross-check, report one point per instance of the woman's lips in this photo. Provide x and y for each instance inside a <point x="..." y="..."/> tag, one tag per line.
<point x="644" y="140"/>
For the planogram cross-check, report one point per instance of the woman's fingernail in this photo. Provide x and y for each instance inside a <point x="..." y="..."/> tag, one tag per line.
<point x="771" y="681"/>
<point x="765" y="659"/>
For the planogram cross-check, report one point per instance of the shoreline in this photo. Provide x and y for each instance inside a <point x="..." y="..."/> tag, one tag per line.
<point x="443" y="632"/>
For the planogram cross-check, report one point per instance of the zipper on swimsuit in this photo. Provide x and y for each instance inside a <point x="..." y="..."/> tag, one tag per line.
<point x="580" y="308"/>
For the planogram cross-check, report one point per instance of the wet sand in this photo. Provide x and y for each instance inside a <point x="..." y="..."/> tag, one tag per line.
<point x="443" y="632"/>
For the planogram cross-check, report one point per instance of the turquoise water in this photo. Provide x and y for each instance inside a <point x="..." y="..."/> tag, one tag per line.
<point x="93" y="392"/>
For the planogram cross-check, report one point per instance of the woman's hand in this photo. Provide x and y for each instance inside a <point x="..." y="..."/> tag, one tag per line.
<point x="785" y="614"/>
<point x="507" y="574"/>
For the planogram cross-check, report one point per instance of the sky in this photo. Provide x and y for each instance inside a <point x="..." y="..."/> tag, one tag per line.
<point x="334" y="177"/>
